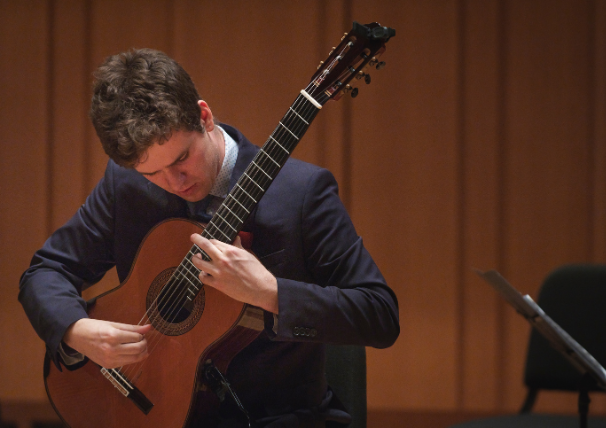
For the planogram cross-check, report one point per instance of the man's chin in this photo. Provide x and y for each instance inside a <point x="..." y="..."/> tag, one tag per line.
<point x="192" y="198"/>
<point x="192" y="194"/>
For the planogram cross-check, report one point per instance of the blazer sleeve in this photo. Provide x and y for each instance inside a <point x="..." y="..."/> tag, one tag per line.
<point x="349" y="301"/>
<point x="76" y="255"/>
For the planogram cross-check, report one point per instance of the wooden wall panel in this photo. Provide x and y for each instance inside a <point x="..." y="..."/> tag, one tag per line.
<point x="404" y="200"/>
<point x="547" y="181"/>
<point x="481" y="372"/>
<point x="70" y="98"/>
<point x="24" y="126"/>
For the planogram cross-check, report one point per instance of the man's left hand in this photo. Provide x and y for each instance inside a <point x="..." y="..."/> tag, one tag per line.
<point x="236" y="272"/>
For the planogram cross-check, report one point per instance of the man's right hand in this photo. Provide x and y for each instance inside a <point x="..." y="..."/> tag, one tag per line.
<point x="109" y="344"/>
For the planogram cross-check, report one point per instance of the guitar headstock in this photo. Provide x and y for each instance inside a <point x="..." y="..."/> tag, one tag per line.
<point x="358" y="51"/>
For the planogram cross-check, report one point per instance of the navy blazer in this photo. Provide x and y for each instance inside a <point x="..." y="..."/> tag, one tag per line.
<point x="329" y="288"/>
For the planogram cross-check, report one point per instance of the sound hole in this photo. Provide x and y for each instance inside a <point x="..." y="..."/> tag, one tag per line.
<point x="170" y="312"/>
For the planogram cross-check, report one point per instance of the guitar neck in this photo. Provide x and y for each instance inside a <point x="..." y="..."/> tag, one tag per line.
<point x="358" y="50"/>
<point x="258" y="176"/>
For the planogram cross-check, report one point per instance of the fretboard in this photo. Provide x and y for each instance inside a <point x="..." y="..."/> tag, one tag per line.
<point x="258" y="176"/>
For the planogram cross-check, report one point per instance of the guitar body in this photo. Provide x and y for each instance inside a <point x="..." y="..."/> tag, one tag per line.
<point x="217" y="328"/>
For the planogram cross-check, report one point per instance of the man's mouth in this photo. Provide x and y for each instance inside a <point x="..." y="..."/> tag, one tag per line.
<point x="188" y="189"/>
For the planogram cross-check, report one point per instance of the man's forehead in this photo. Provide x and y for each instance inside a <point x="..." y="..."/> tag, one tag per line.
<point x="165" y="153"/>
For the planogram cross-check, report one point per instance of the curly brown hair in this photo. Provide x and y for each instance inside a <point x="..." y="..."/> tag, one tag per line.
<point x="139" y="98"/>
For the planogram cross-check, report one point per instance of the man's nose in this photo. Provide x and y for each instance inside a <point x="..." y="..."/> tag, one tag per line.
<point x="176" y="179"/>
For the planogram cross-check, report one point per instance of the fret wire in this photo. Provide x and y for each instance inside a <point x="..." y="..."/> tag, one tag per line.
<point x="300" y="117"/>
<point x="255" y="191"/>
<point x="301" y="101"/>
<point x="238" y="194"/>
<point x="259" y="179"/>
<point x="234" y="199"/>
<point x="222" y="231"/>
<point x="293" y="120"/>
<point x="270" y="158"/>
<point x="232" y="213"/>
<point x="276" y="153"/>
<point x="207" y="233"/>
<point x="261" y="169"/>
<point x="184" y="274"/>
<point x="282" y="147"/>
<point x="246" y="193"/>
<point x="263" y="164"/>
<point x="310" y="108"/>
<point x="229" y="215"/>
<point x="226" y="222"/>
<point x="208" y="228"/>
<point x="285" y="139"/>
<point x="306" y="108"/>
<point x="218" y="229"/>
<point x="250" y="178"/>
<point x="290" y="143"/>
<point x="293" y="123"/>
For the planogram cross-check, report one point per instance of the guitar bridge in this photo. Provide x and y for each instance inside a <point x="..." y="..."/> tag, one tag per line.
<point x="117" y="382"/>
<point x="127" y="389"/>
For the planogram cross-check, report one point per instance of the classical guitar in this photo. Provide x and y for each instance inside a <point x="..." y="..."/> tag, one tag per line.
<point x="197" y="330"/>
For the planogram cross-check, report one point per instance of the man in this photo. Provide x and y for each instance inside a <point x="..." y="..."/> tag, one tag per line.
<point x="169" y="158"/>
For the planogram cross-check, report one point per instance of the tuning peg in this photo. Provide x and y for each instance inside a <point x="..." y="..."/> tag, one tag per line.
<point x="366" y="77"/>
<point x="354" y="92"/>
<point x="380" y="65"/>
<point x="321" y="62"/>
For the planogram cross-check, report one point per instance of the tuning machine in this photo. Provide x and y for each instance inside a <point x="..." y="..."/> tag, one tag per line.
<point x="374" y="62"/>
<point x="350" y="90"/>
<point x="361" y="74"/>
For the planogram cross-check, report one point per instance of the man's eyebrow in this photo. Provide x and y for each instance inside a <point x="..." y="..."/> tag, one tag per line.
<point x="168" y="166"/>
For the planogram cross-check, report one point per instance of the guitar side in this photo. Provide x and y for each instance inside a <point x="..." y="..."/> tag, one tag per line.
<point x="169" y="378"/>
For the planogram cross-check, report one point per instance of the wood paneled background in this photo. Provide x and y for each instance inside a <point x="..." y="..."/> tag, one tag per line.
<point x="482" y="144"/>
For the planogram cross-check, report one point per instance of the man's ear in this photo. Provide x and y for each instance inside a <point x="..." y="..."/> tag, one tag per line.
<point x="206" y="116"/>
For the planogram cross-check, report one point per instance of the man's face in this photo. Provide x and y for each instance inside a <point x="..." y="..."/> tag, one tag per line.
<point x="186" y="165"/>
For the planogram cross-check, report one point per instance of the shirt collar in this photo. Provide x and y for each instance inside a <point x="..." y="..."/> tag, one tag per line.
<point x="221" y="186"/>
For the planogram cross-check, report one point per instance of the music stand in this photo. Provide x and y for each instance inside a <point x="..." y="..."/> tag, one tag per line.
<point x="557" y="337"/>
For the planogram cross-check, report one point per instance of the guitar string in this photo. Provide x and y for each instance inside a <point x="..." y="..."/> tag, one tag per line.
<point x="177" y="302"/>
<point x="186" y="264"/>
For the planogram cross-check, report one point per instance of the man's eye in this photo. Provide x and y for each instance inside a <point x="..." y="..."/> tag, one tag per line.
<point x="182" y="158"/>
